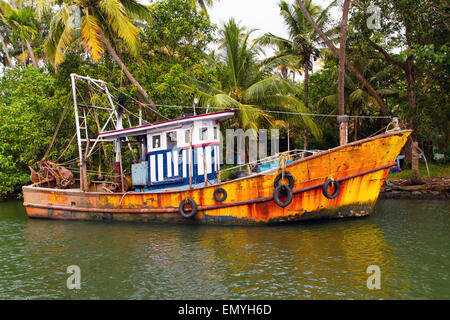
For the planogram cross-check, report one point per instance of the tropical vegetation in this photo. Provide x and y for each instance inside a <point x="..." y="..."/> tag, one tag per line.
<point x="169" y="52"/>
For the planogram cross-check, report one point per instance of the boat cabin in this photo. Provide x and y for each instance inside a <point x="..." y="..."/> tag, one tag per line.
<point x="179" y="153"/>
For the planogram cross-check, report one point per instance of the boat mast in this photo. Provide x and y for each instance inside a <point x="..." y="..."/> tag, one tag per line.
<point x="82" y="126"/>
<point x="82" y="163"/>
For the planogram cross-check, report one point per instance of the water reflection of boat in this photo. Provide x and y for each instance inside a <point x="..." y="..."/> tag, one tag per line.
<point x="176" y="178"/>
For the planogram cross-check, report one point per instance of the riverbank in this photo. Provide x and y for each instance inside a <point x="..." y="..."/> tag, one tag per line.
<point x="437" y="188"/>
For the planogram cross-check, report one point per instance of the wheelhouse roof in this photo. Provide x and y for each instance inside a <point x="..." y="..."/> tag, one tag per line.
<point x="167" y="125"/>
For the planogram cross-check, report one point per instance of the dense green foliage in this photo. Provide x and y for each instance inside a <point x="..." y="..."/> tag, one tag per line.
<point x="175" y="54"/>
<point x="30" y="106"/>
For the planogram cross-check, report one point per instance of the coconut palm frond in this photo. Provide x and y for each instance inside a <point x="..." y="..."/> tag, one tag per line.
<point x="52" y="44"/>
<point x="289" y="18"/>
<point x="387" y="92"/>
<point x="290" y="61"/>
<point x="331" y="100"/>
<point x="64" y="37"/>
<point x="136" y="10"/>
<point x="220" y="100"/>
<point x="252" y="117"/>
<point x="5" y="9"/>
<point x="357" y="95"/>
<point x="204" y="4"/>
<point x="289" y="103"/>
<point x="203" y="86"/>
<point x="349" y="82"/>
<point x="90" y="34"/>
<point x="373" y="101"/>
<point x="117" y="19"/>
<point x="323" y="17"/>
<point x="23" y="21"/>
<point x="270" y="39"/>
<point x="43" y="5"/>
<point x="269" y="86"/>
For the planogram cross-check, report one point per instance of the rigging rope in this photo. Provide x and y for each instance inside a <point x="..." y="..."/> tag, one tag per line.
<point x="244" y="109"/>
<point x="115" y="100"/>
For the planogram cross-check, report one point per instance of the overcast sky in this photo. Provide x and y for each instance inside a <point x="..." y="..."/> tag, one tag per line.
<point x="263" y="15"/>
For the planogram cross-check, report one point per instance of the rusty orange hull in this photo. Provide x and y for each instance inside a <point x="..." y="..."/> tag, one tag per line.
<point x="360" y="167"/>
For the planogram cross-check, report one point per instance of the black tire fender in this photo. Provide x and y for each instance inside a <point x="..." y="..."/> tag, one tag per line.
<point x="337" y="189"/>
<point x="288" y="176"/>
<point x="217" y="193"/>
<point x="188" y="214"/>
<point x="277" y="193"/>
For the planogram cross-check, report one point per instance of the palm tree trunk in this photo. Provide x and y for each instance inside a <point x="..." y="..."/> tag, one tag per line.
<point x="31" y="54"/>
<point x="306" y="89"/>
<point x="350" y="66"/>
<point x="343" y="126"/>
<point x="23" y="54"/>
<point x="415" y="171"/>
<point x="410" y="82"/>
<point x="306" y="84"/>
<point x="5" y="50"/>
<point x="130" y="77"/>
<point x="305" y="139"/>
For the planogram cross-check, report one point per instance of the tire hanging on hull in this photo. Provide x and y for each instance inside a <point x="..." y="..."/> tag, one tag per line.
<point x="187" y="214"/>
<point x="277" y="194"/>
<point x="337" y="188"/>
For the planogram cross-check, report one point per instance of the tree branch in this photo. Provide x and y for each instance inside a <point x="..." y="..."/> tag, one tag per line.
<point x="350" y="66"/>
<point x="387" y="56"/>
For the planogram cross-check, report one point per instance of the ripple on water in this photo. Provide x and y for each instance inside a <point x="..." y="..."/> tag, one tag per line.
<point x="409" y="240"/>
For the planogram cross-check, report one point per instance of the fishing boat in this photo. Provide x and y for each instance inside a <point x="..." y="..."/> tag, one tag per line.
<point x="176" y="175"/>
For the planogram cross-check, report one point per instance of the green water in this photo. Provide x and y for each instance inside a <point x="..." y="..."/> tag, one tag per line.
<point x="408" y="240"/>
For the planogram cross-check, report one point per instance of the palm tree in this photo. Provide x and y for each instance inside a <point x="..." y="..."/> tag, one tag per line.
<point x="298" y="52"/>
<point x="356" y="96"/>
<point x="101" y="23"/>
<point x="22" y="22"/>
<point x="248" y="87"/>
<point x="333" y="48"/>
<point x="302" y="47"/>
<point x="206" y="3"/>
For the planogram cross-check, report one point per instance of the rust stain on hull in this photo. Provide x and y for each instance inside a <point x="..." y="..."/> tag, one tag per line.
<point x="361" y="168"/>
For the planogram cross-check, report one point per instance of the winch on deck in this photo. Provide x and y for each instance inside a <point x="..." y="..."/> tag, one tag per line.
<point x="179" y="153"/>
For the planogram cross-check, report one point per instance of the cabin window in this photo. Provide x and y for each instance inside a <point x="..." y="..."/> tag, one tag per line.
<point x="187" y="136"/>
<point x="171" y="138"/>
<point x="156" y="142"/>
<point x="203" y="134"/>
<point x="216" y="133"/>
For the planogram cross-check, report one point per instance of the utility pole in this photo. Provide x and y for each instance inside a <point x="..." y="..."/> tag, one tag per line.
<point x="195" y="103"/>
<point x="343" y="119"/>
